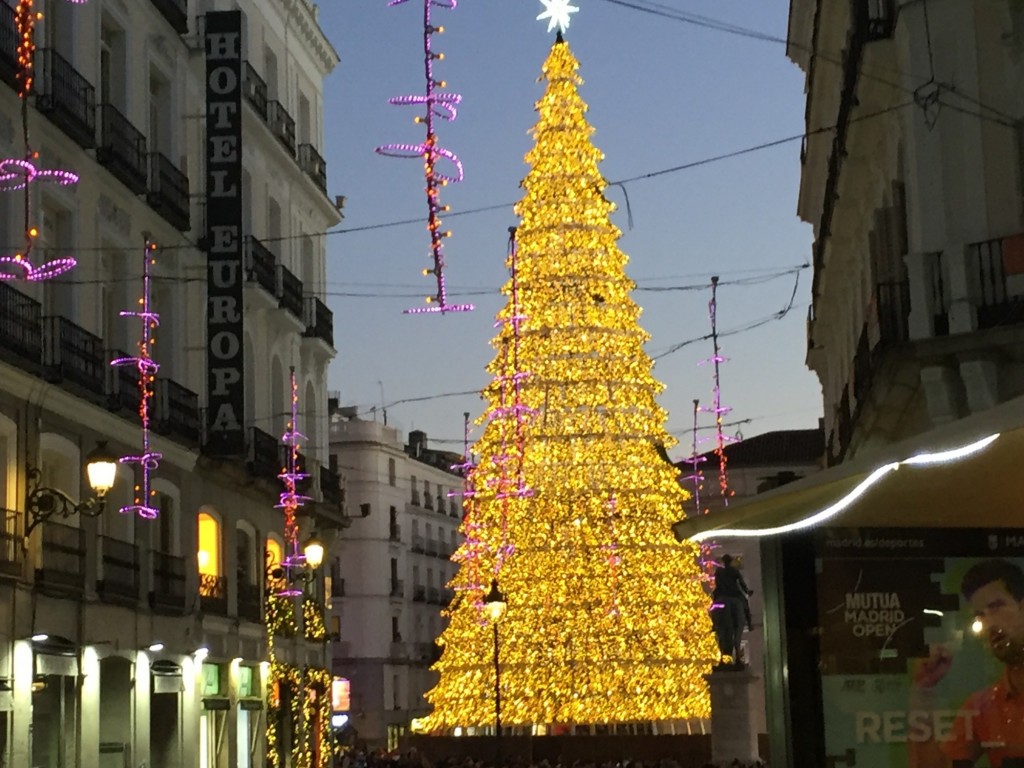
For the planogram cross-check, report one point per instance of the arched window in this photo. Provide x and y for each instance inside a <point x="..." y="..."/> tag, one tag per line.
<point x="208" y="555"/>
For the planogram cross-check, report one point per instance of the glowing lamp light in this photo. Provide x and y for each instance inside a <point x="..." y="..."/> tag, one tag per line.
<point x="101" y="469"/>
<point x="977" y="626"/>
<point x="155" y="648"/>
<point x="202" y="558"/>
<point x="313" y="551"/>
<point x="201" y="653"/>
<point x="494" y="603"/>
<point x="42" y="637"/>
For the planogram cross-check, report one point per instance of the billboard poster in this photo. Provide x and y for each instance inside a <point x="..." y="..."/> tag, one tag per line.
<point x="922" y="647"/>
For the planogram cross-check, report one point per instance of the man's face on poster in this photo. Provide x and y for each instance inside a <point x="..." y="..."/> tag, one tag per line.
<point x="1002" y="621"/>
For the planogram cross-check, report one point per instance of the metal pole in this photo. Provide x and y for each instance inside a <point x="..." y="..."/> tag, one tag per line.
<point x="497" y="702"/>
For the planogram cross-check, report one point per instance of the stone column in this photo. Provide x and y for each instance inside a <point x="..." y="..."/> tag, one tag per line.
<point x="734" y="707"/>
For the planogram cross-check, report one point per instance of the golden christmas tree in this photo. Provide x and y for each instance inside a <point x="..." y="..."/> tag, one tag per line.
<point x="571" y="505"/>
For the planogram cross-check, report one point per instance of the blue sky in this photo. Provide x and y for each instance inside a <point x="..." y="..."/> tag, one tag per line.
<point x="662" y="93"/>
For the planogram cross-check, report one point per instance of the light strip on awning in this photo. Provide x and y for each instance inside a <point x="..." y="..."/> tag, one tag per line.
<point x="922" y="459"/>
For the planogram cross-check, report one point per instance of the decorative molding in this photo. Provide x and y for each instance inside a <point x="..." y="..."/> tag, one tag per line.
<point x="114" y="215"/>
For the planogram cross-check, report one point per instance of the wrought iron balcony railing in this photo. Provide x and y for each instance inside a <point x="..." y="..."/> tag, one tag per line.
<point x="261" y="265"/>
<point x="330" y="486"/>
<point x="397" y="588"/>
<point x="997" y="303"/>
<point x="67" y="98"/>
<point x="176" y="13"/>
<point x="63" y="558"/>
<point x="21" y="335"/>
<point x="168" y="595"/>
<point x="122" y="149"/>
<point x="417" y="543"/>
<point x="213" y="593"/>
<point x="249" y="605"/>
<point x="313" y="165"/>
<point x="168" y="191"/>
<point x="177" y="411"/>
<point x="74" y="356"/>
<point x="255" y="90"/>
<point x="265" y="453"/>
<point x="319" y="321"/>
<point x="120" y="560"/>
<point x="419" y="594"/>
<point x="289" y="294"/>
<point x="122" y="384"/>
<point x="282" y="124"/>
<point x="395" y="532"/>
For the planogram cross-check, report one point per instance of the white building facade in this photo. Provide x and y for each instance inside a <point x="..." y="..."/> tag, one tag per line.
<point x="390" y="579"/>
<point x="916" y="202"/>
<point x="143" y="642"/>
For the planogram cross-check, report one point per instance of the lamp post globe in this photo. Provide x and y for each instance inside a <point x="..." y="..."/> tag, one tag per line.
<point x="101" y="469"/>
<point x="313" y="551"/>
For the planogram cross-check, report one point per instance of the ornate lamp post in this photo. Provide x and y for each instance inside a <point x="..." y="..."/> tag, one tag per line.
<point x="43" y="502"/>
<point x="494" y="607"/>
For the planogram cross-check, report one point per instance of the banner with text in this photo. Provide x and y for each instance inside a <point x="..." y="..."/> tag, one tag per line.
<point x="911" y="667"/>
<point x="225" y="417"/>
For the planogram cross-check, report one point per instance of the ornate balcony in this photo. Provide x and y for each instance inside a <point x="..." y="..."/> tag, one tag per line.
<point x="313" y="165"/>
<point x="213" y="593"/>
<point x="168" y="192"/>
<point x="997" y="304"/>
<point x="74" y="356"/>
<point x="63" y="558"/>
<point x="177" y="411"/>
<point x="168" y="595"/>
<point x="176" y="13"/>
<point x="120" y="582"/>
<point x="282" y="124"/>
<point x="21" y="335"/>
<point x="264" y="453"/>
<point x="122" y="149"/>
<point x="255" y="90"/>
<point x="261" y="265"/>
<point x="8" y="46"/>
<point x="67" y="98"/>
<point x="319" y="321"/>
<point x="122" y="385"/>
<point x="250" y="606"/>
<point x="11" y="552"/>
<point x="289" y="293"/>
<point x="330" y="486"/>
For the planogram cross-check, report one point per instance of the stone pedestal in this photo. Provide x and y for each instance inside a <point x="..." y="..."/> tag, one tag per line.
<point x="733" y="724"/>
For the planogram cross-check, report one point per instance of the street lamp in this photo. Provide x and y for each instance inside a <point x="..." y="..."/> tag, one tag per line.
<point x="42" y="503"/>
<point x="494" y="607"/>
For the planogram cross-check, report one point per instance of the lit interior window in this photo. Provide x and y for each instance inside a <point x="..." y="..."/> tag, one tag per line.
<point x="208" y="555"/>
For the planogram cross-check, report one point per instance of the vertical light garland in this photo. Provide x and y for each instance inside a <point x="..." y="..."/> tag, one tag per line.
<point x="469" y="553"/>
<point x="717" y="409"/>
<point x="290" y="500"/>
<point x="148" y="460"/>
<point x="511" y="412"/>
<point x="20" y="173"/>
<point x="442" y="105"/>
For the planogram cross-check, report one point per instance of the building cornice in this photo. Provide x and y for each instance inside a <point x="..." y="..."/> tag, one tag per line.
<point x="304" y="15"/>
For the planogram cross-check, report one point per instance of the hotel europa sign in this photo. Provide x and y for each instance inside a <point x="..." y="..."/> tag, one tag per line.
<point x="225" y="274"/>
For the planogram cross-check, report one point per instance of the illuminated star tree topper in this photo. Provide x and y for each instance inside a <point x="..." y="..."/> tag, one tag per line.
<point x="557" y="13"/>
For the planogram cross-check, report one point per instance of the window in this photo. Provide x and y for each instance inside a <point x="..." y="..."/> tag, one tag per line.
<point x="428" y="501"/>
<point x="396" y="636"/>
<point x="415" y="490"/>
<point x="208" y="554"/>
<point x="160" y="109"/>
<point x="244" y="556"/>
<point x="392" y="476"/>
<point x="113" y="65"/>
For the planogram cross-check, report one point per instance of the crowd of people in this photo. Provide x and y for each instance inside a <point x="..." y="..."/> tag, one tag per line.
<point x="413" y="759"/>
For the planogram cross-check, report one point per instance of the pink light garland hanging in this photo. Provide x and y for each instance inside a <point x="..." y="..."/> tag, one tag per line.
<point x="290" y="500"/>
<point x="20" y="173"/>
<point x="717" y="409"/>
<point x="444" y="106"/>
<point x="470" y="551"/>
<point x="148" y="460"/>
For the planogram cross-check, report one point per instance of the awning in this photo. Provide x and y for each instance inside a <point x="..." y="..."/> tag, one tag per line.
<point x="951" y="476"/>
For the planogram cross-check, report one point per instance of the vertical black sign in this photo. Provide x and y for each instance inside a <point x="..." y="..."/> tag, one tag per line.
<point x="225" y="351"/>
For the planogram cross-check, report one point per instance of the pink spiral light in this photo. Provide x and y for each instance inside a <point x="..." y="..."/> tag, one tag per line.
<point x="148" y="460"/>
<point x="441" y="105"/>
<point x="290" y="499"/>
